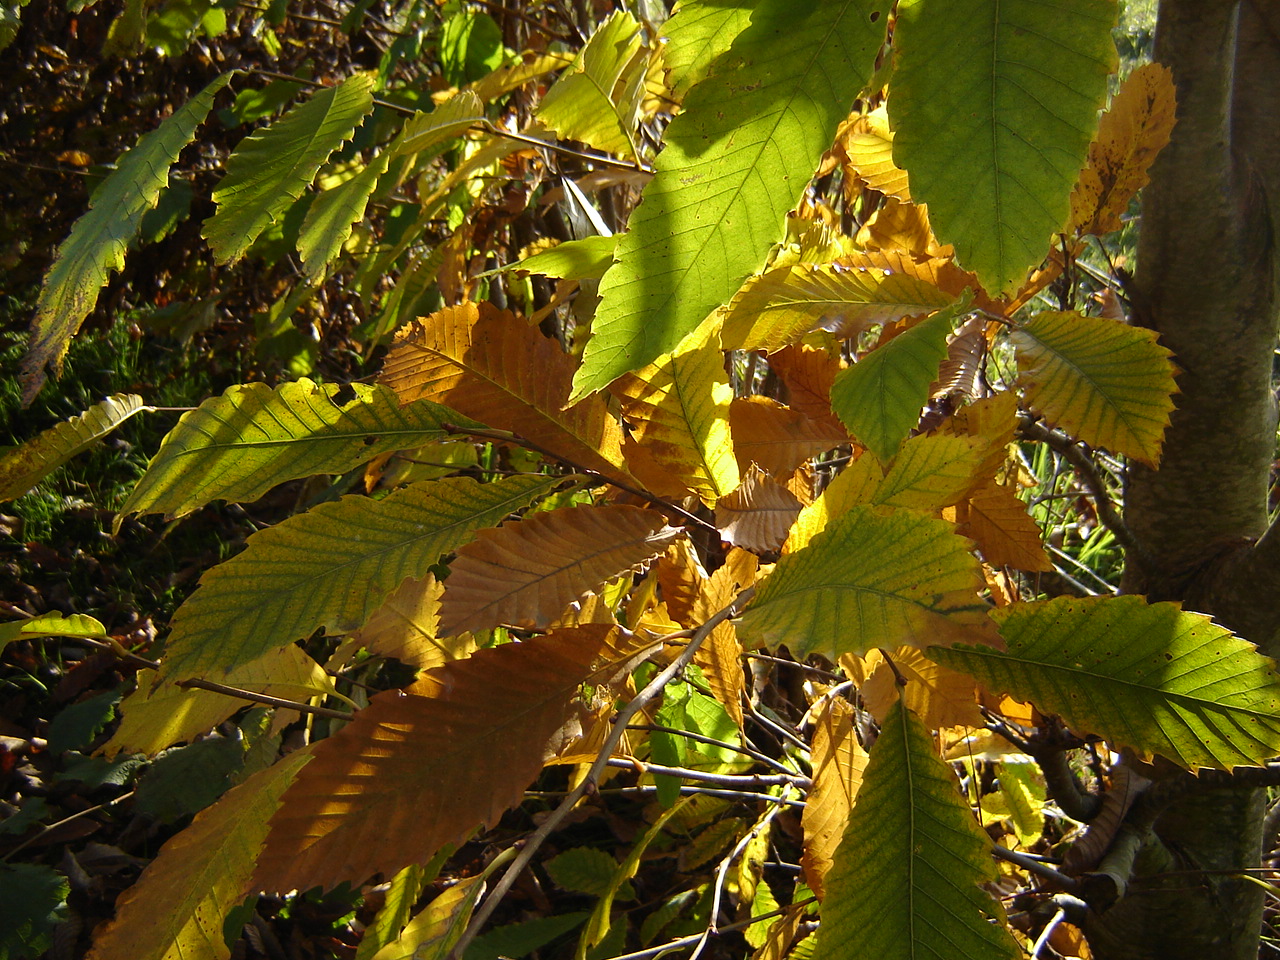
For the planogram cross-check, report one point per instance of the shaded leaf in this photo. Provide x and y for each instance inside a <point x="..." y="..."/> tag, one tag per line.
<point x="1088" y="848"/>
<point x="870" y="580"/>
<point x="586" y="870"/>
<point x="839" y="762"/>
<point x="406" y="627"/>
<point x="758" y="514"/>
<point x="487" y="364"/>
<point x="176" y="910"/>
<point x="526" y="572"/>
<point x="21" y="468"/>
<point x="681" y="578"/>
<point x="420" y="768"/>
<point x="1028" y="79"/>
<point x="997" y="521"/>
<point x="1147" y="676"/>
<point x="776" y="437"/>
<point x="905" y="881"/>
<point x="332" y="568"/>
<point x="1135" y="128"/>
<point x="880" y="397"/>
<point x="522" y="939"/>
<point x="432" y="933"/>
<point x="808" y="373"/>
<point x="97" y="243"/>
<point x="397" y="909"/>
<point x="241" y="444"/>
<point x="736" y="160"/>
<point x="32" y="901"/>
<point x="1104" y="382"/>
<point x="271" y="167"/>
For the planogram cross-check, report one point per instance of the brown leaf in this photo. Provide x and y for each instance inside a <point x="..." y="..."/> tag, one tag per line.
<point x="776" y="437"/>
<point x="758" y="514"/>
<point x="680" y="577"/>
<point x="526" y="572"/>
<point x="405" y="627"/>
<point x="421" y="768"/>
<point x="959" y="375"/>
<point x="492" y="367"/>
<point x="997" y="521"/>
<point x="938" y="696"/>
<point x="808" y="373"/>
<point x="720" y="656"/>
<point x="839" y="762"/>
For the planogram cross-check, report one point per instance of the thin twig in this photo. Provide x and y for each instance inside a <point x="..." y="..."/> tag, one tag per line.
<point x="713" y="742"/>
<point x="638" y="702"/>
<point x="690" y="940"/>
<point x="686" y="790"/>
<point x="262" y="698"/>
<point x="1057" y="877"/>
<point x="54" y="826"/>
<point x="715" y="779"/>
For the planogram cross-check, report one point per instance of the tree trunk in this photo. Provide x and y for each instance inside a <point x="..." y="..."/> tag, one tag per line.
<point x="1206" y="280"/>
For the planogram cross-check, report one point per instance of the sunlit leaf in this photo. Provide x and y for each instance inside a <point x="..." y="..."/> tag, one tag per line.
<point x="241" y="444"/>
<point x="176" y="910"/>
<point x="1020" y="801"/>
<point x="52" y="624"/>
<point x="938" y="696"/>
<point x="331" y="216"/>
<point x="998" y="522"/>
<point x="585" y="259"/>
<point x="857" y="483"/>
<point x="331" y="567"/>
<point x="736" y="161"/>
<point x="720" y="656"/>
<point x="1028" y="80"/>
<point x="448" y="120"/>
<point x="870" y="580"/>
<point x="839" y="762"/>
<point x="489" y="365"/>
<point x="402" y="893"/>
<point x="526" y="572"/>
<point x="880" y="397"/>
<point x="902" y="227"/>
<point x="1147" y="676"/>
<point x="420" y="768"/>
<point x="931" y="472"/>
<point x="1104" y="382"/>
<point x="905" y="882"/>
<point x="1135" y="128"/>
<point x="434" y="931"/>
<point x="21" y="468"/>
<point x="271" y="167"/>
<point x="697" y="33"/>
<point x="869" y="148"/>
<point x="758" y="514"/>
<point x="808" y="373"/>
<point x="97" y="243"/>
<point x="406" y="627"/>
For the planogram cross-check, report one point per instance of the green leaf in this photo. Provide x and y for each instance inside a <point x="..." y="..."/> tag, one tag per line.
<point x="32" y="903"/>
<point x="402" y="893"/>
<point x="98" y="241"/>
<point x="51" y="625"/>
<point x="1104" y="382"/>
<point x="870" y="580"/>
<point x="521" y="939"/>
<point x="21" y="468"/>
<point x="75" y="726"/>
<point x="332" y="215"/>
<point x="586" y="870"/>
<point x="698" y="32"/>
<point x="238" y="446"/>
<point x="470" y="44"/>
<point x="737" y="160"/>
<point x="187" y="779"/>
<point x="582" y="104"/>
<point x="993" y="104"/>
<point x="1147" y="676"/>
<point x="879" y="398"/>
<point x="585" y="259"/>
<point x="331" y="568"/>
<point x="905" y="879"/>
<point x="271" y="167"/>
<point x="446" y="121"/>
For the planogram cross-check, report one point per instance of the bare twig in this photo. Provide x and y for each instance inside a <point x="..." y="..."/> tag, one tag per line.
<point x="715" y="779"/>
<point x="713" y="742"/>
<point x="1043" y="870"/>
<point x="54" y="826"/>
<point x="262" y="698"/>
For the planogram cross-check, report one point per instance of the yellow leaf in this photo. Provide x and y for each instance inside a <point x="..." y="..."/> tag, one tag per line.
<point x="867" y="145"/>
<point x="526" y="572"/>
<point x="776" y="437"/>
<point x="176" y="910"/>
<point x="858" y="483"/>
<point x="720" y="655"/>
<point x="902" y="226"/>
<point x="1135" y="128"/>
<point x="937" y="695"/>
<point x="158" y="716"/>
<point x="838" y="764"/>
<point x="932" y="472"/>
<point x="405" y="627"/>
<point x="420" y="768"/>
<point x="678" y="407"/>
<point x="997" y="521"/>
<point x="1106" y="383"/>
<point x="489" y="365"/>
<point x="994" y="419"/>
<point x="758" y="514"/>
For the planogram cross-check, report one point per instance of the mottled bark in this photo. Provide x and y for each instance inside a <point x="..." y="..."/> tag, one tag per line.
<point x="1206" y="281"/>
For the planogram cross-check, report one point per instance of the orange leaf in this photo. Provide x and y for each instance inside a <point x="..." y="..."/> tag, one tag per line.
<point x="776" y="437"/>
<point x="839" y="762"/>
<point x="808" y="373"/>
<point x="902" y="226"/>
<point x="937" y="695"/>
<point x="758" y="514"/>
<point x="405" y="627"/>
<point x="997" y="521"/>
<point x="720" y="656"/>
<point x="526" y="572"/>
<point x="421" y="768"/>
<point x="867" y="145"/>
<point x="680" y="576"/>
<point x="490" y="366"/>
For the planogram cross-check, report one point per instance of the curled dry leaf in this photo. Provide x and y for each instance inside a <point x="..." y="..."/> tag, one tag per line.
<point x="776" y="437"/>
<point x="758" y="514"/>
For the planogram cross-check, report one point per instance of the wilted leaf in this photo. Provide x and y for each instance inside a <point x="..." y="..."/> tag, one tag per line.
<point x="905" y="882"/>
<point x="776" y="437"/>
<point x="758" y="514"/>
<point x="21" y="468"/>
<point x="271" y="167"/>
<point x="241" y="444"/>
<point x="1106" y="383"/>
<point x="420" y="768"/>
<point x="870" y="580"/>
<point x="526" y="572"/>
<point x="720" y="656"/>
<point x="808" y="373"/>
<point x="331" y="567"/>
<point x="839" y="762"/>
<point x="176" y="910"/>
<point x="997" y="521"/>
<point x="1088" y="849"/>
<point x="1135" y="128"/>
<point x="487" y="364"/>
<point x="1147" y="676"/>
<point x="938" y="696"/>
<point x="680" y="576"/>
<point x="1028" y="80"/>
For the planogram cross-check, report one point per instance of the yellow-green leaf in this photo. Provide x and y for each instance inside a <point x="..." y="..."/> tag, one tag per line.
<point x="1147" y="676"/>
<point x="50" y="625"/>
<point x="1104" y="382"/>
<point x="331" y="216"/>
<point x="448" y="120"/>
<point x="870" y="580"/>
<point x="931" y="472"/>
<point x="697" y="33"/>
<point x="585" y="259"/>
<point x="331" y="568"/>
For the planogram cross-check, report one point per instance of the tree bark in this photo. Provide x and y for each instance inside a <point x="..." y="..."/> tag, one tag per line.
<point x="1206" y="281"/>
